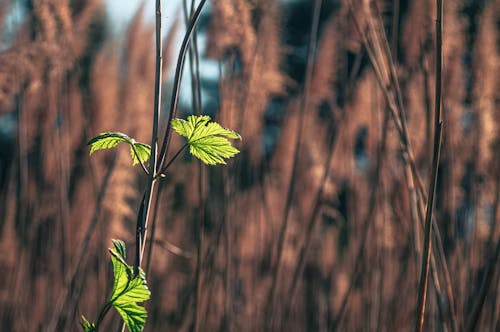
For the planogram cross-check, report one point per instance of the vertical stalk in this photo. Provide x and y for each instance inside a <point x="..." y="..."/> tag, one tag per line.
<point x="194" y="68"/>
<point x="199" y="245"/>
<point x="424" y="275"/>
<point x="145" y="207"/>
<point x="177" y="82"/>
<point x="297" y="146"/>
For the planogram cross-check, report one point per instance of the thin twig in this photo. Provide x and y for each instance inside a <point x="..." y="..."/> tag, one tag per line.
<point x="145" y="207"/>
<point x="164" y="169"/>
<point x="424" y="275"/>
<point x="177" y="83"/>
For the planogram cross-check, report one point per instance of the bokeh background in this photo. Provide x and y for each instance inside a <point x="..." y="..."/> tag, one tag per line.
<point x="315" y="226"/>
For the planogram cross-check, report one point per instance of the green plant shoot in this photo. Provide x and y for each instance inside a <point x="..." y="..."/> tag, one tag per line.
<point x="208" y="141"/>
<point x="128" y="291"/>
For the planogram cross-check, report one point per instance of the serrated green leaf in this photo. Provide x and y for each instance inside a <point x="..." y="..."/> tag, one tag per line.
<point x="119" y="248"/>
<point x="143" y="151"/>
<point x="208" y="141"/>
<point x="128" y="290"/>
<point x="108" y="140"/>
<point x="87" y="326"/>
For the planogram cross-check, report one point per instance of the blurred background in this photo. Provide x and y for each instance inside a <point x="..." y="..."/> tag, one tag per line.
<point x="315" y="226"/>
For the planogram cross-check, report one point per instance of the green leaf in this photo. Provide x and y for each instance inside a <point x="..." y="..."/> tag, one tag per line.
<point x="207" y="141"/>
<point x="120" y="249"/>
<point x="128" y="290"/>
<point x="108" y="140"/>
<point x="87" y="326"/>
<point x="143" y="151"/>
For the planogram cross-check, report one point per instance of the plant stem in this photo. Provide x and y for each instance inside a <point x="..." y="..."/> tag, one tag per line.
<point x="314" y="217"/>
<point x="145" y="207"/>
<point x="102" y="314"/>
<point x="196" y="103"/>
<point x="73" y="277"/>
<point x="489" y="273"/>
<point x="297" y="147"/>
<point x="153" y="228"/>
<point x="164" y="169"/>
<point x="177" y="81"/>
<point x="199" y="245"/>
<point x="424" y="275"/>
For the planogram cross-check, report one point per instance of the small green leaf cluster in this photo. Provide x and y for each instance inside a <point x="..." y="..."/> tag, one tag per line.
<point x="208" y="141"/>
<point x="139" y="152"/>
<point x="87" y="326"/>
<point x="129" y="289"/>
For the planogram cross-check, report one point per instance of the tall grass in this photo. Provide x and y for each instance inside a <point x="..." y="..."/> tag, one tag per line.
<point x="349" y="206"/>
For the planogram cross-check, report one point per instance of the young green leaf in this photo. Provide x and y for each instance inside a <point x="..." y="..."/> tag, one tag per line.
<point x="143" y="151"/>
<point x="87" y="326"/>
<point x="128" y="290"/>
<point x="108" y="140"/>
<point x="208" y="141"/>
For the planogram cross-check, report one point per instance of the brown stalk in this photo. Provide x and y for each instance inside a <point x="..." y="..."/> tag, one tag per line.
<point x="397" y="111"/>
<point x="194" y="66"/>
<point x="366" y="223"/>
<point x="424" y="275"/>
<point x="74" y="277"/>
<point x="314" y="218"/>
<point x="176" y="89"/>
<point x="145" y="206"/>
<point x="475" y="315"/>
<point x="297" y="146"/>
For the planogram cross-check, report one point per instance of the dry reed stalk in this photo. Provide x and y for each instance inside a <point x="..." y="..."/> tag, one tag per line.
<point x="376" y="43"/>
<point x="304" y="105"/>
<point x="433" y="172"/>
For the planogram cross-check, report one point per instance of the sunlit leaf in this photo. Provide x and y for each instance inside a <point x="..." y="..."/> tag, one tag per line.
<point x="108" y="140"/>
<point x="143" y="151"/>
<point x="128" y="290"/>
<point x="207" y="141"/>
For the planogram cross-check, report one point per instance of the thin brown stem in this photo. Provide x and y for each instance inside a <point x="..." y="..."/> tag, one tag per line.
<point x="199" y="245"/>
<point x="493" y="262"/>
<point x="177" y="154"/>
<point x="145" y="207"/>
<point x="314" y="218"/>
<point x="424" y="275"/>
<point x="297" y="148"/>
<point x="73" y="276"/>
<point x="177" y="82"/>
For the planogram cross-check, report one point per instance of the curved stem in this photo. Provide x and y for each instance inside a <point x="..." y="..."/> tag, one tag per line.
<point x="177" y="81"/>
<point x="102" y="314"/>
